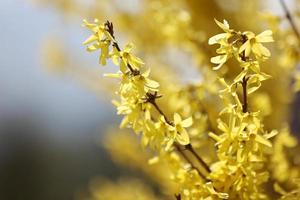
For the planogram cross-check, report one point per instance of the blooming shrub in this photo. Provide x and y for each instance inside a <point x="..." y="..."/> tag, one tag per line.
<point x="226" y="135"/>
<point x="243" y="146"/>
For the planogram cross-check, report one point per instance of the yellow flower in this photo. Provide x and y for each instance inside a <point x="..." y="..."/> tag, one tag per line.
<point x="225" y="49"/>
<point x="230" y="44"/>
<point x="128" y="58"/>
<point x="254" y="44"/>
<point x="151" y="134"/>
<point x="252" y="65"/>
<point x="98" y="30"/>
<point x="222" y="36"/>
<point x="104" y="46"/>
<point x="180" y="133"/>
<point x="132" y="114"/>
<point x="134" y="87"/>
<point x="144" y="81"/>
<point x="100" y="39"/>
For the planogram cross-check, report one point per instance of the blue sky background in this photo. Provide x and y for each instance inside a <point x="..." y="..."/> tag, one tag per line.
<point x="48" y="123"/>
<point x="26" y="88"/>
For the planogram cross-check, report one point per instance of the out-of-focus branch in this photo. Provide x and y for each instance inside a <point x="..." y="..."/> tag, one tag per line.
<point x="290" y="19"/>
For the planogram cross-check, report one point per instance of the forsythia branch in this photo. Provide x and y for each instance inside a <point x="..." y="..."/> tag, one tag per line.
<point x="241" y="142"/>
<point x="189" y="147"/>
<point x="149" y="96"/>
<point x="110" y="30"/>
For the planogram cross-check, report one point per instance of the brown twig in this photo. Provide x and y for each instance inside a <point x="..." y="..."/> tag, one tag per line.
<point x="245" y="79"/>
<point x="189" y="161"/>
<point x="245" y="96"/>
<point x="192" y="150"/>
<point x="178" y="196"/>
<point x="290" y="19"/>
<point x="151" y="99"/>
<point x="110" y="29"/>
<point x="189" y="147"/>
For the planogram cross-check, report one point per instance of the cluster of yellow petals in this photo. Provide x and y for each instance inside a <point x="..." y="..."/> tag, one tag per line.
<point x="243" y="146"/>
<point x="242" y="152"/>
<point x="135" y="90"/>
<point x="242" y="143"/>
<point x="233" y="43"/>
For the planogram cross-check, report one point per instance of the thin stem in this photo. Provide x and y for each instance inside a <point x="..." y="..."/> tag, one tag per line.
<point x="161" y="112"/>
<point x="177" y="196"/>
<point x="189" y="161"/>
<point x="188" y="146"/>
<point x="192" y="150"/>
<point x="245" y="79"/>
<point x="245" y="97"/>
<point x="110" y="30"/>
<point x="290" y="18"/>
<point x="115" y="44"/>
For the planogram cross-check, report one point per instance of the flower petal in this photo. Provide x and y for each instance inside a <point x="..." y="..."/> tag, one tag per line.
<point x="246" y="47"/>
<point x="215" y="39"/>
<point x="262" y="140"/>
<point x="151" y="84"/>
<point x="187" y="122"/>
<point x="90" y="39"/>
<point x="265" y="36"/>
<point x="224" y="25"/>
<point x="260" y="50"/>
<point x="177" y="118"/>
<point x="219" y="59"/>
<point x="183" y="137"/>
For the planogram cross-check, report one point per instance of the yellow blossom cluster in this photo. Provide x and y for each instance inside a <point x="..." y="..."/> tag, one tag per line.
<point x="138" y="93"/>
<point x="243" y="145"/>
<point x="243" y="142"/>
<point x="213" y="138"/>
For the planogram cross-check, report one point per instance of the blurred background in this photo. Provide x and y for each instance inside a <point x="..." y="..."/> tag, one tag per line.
<point x="51" y="123"/>
<point x="48" y="123"/>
